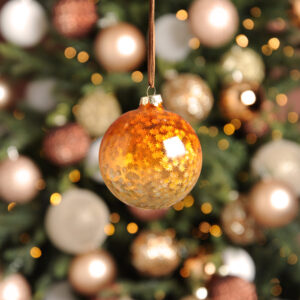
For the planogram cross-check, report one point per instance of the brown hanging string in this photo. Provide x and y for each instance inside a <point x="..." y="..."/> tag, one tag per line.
<point x="151" y="46"/>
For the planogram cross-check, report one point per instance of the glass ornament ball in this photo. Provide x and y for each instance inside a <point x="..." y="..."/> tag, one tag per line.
<point x="60" y="291"/>
<point x="214" y="22"/>
<point x="23" y="23"/>
<point x="150" y="158"/>
<point x="120" y="48"/>
<point x="15" y="287"/>
<point x="91" y="272"/>
<point x="273" y="204"/>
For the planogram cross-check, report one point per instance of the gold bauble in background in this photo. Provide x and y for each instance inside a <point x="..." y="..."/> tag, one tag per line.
<point x="15" y="287"/>
<point x="241" y="101"/>
<point x="150" y="158"/>
<point x="238" y="225"/>
<point x="200" y="266"/>
<point x="295" y="12"/>
<point x="155" y="254"/>
<point x="272" y="203"/>
<point x="214" y="22"/>
<point x="242" y="64"/>
<point x="91" y="272"/>
<point x="189" y="96"/>
<point x="19" y="179"/>
<point x="120" y="48"/>
<point x="97" y="111"/>
<point x="74" y="18"/>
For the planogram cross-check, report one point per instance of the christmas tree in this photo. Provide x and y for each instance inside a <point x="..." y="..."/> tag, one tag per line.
<point x="228" y="73"/>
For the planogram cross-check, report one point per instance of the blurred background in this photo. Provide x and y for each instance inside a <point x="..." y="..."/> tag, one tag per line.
<point x="69" y="69"/>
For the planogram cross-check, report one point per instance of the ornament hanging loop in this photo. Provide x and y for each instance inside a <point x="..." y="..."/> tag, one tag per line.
<point x="151" y="46"/>
<point x="148" y="91"/>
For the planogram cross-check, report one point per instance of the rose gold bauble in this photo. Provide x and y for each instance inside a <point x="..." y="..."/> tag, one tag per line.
<point x="91" y="272"/>
<point x="15" y="287"/>
<point x="150" y="158"/>
<point x="241" y="101"/>
<point x="189" y="96"/>
<point x="231" y="288"/>
<point x="272" y="203"/>
<point x="214" y="22"/>
<point x="120" y="48"/>
<point x="19" y="180"/>
<point x="155" y="254"/>
<point x="147" y="215"/>
<point x="74" y="18"/>
<point x="66" y="145"/>
<point x="238" y="225"/>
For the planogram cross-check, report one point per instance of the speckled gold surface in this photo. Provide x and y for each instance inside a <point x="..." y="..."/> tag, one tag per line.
<point x="150" y="158"/>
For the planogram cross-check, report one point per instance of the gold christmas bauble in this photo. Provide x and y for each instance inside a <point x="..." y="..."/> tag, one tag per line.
<point x="97" y="111"/>
<point x="120" y="48"/>
<point x="150" y="158"/>
<point x="189" y="96"/>
<point x="273" y="204"/>
<point x="200" y="266"/>
<point x="242" y="64"/>
<point x="15" y="287"/>
<point x="295" y="12"/>
<point x="19" y="179"/>
<point x="91" y="272"/>
<point x="214" y="22"/>
<point x="237" y="223"/>
<point x="241" y="101"/>
<point x="155" y="254"/>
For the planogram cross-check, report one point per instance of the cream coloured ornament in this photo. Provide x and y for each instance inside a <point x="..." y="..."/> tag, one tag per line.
<point x="280" y="160"/>
<point x="238" y="262"/>
<point x="40" y="95"/>
<point x="242" y="64"/>
<point x="189" y="96"/>
<point x="23" y="22"/>
<point x="273" y="204"/>
<point x="77" y="224"/>
<point x="5" y="95"/>
<point x="214" y="22"/>
<point x="91" y="272"/>
<point x="120" y="48"/>
<point x="97" y="111"/>
<point x="60" y="291"/>
<point x="15" y="287"/>
<point x="155" y="254"/>
<point x="19" y="179"/>
<point x="172" y="38"/>
<point x="91" y="162"/>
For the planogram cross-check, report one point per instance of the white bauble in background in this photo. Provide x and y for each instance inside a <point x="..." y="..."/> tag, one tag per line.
<point x="23" y="22"/>
<point x="40" y="95"/>
<point x="172" y="38"/>
<point x="238" y="262"/>
<point x="60" y="291"/>
<point x="279" y="160"/>
<point x="91" y="163"/>
<point x="15" y="287"/>
<point x="77" y="224"/>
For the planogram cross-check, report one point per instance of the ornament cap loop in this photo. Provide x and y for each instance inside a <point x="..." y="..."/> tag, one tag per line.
<point x="155" y="100"/>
